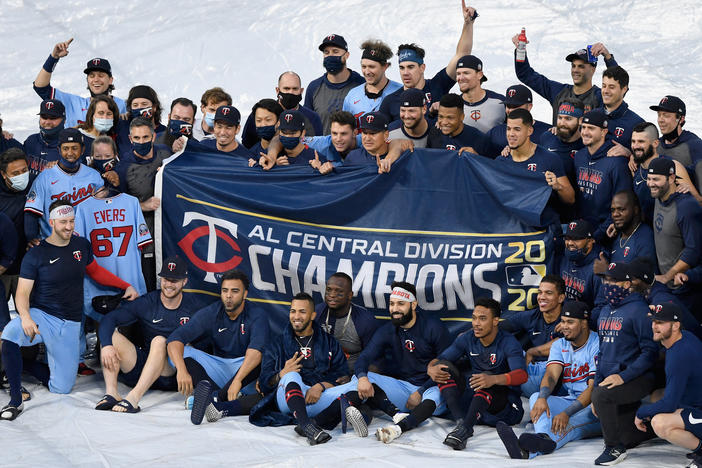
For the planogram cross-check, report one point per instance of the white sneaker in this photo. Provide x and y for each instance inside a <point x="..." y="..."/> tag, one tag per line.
<point x="399" y="417"/>
<point x="213" y="414"/>
<point x="388" y="433"/>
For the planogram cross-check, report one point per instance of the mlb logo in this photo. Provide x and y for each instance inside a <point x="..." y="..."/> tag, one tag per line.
<point x="184" y="320"/>
<point x="77" y="255"/>
<point x="143" y="229"/>
<point x="493" y="358"/>
<point x="525" y="275"/>
<point x="409" y="345"/>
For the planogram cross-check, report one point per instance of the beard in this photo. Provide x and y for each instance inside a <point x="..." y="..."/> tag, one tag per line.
<point x="406" y="318"/>
<point x="643" y="156"/>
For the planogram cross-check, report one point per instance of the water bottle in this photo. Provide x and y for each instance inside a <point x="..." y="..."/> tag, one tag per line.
<point x="521" y="46"/>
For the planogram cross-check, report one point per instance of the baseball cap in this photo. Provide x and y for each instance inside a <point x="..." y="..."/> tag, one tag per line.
<point x="581" y="54"/>
<point x="412" y="97"/>
<point x="575" y="309"/>
<point x="291" y="120"/>
<point x="52" y="108"/>
<point x="107" y="303"/>
<point x="670" y="104"/>
<point x="618" y="271"/>
<point x="661" y="166"/>
<point x="374" y="122"/>
<point x="334" y="40"/>
<point x="471" y="61"/>
<point x="99" y="64"/>
<point x="643" y="269"/>
<point x="70" y="135"/>
<point x="174" y="268"/>
<point x="579" y="229"/>
<point x="595" y="117"/>
<point x="666" y="312"/>
<point x="517" y="95"/>
<point x="228" y="114"/>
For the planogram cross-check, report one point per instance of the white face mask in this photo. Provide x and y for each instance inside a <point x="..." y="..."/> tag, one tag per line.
<point x="103" y="125"/>
<point x="20" y="182"/>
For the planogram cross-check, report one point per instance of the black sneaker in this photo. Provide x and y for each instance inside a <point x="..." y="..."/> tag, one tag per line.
<point x="611" y="456"/>
<point x="534" y="443"/>
<point x="458" y="438"/>
<point x="510" y="441"/>
<point x="202" y="397"/>
<point x="315" y="435"/>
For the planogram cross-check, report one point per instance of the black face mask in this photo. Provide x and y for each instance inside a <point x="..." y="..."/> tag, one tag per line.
<point x="673" y="135"/>
<point x="289" y="100"/>
<point x="104" y="165"/>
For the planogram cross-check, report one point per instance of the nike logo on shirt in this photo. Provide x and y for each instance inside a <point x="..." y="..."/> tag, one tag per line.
<point x="52" y="183"/>
<point x="54" y="260"/>
<point x="535" y="333"/>
<point x="639" y="182"/>
<point x="552" y="149"/>
<point x="590" y="163"/>
<point x="221" y="329"/>
<point x="474" y="354"/>
<point x="356" y="102"/>
<point x="693" y="420"/>
<point x="156" y="321"/>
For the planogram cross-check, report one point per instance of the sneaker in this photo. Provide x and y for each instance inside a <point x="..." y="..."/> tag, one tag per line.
<point x="510" y="441"/>
<point x="611" y="456"/>
<point x="202" y="397"/>
<point x="358" y="422"/>
<point x="399" y="417"/>
<point x="315" y="435"/>
<point x="189" y="402"/>
<point x="537" y="443"/>
<point x="10" y="413"/>
<point x="458" y="438"/>
<point x="212" y="414"/>
<point x="388" y="433"/>
<point x="84" y="370"/>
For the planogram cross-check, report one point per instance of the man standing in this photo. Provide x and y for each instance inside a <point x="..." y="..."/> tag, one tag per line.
<point x="567" y="141"/>
<point x="615" y="84"/>
<point x="577" y="264"/>
<point x="675" y="142"/>
<point x="42" y="148"/>
<point x="413" y="124"/>
<point x="51" y="279"/>
<point x="143" y="367"/>
<point x="181" y="119"/>
<point x="484" y="109"/>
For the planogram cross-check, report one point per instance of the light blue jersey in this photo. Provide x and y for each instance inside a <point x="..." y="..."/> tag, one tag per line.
<point x="578" y="365"/>
<point x="56" y="184"/>
<point x="323" y="145"/>
<point x="77" y="106"/>
<point x="358" y="103"/>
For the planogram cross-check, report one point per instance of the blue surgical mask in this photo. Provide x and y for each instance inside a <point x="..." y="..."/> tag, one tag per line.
<point x="209" y="120"/>
<point x="266" y="133"/>
<point x="20" y="182"/>
<point x="103" y="125"/>
<point x="614" y="294"/>
<point x="575" y="256"/>
<point x="145" y="112"/>
<point x="289" y="142"/>
<point x="333" y="64"/>
<point x="142" y="149"/>
<point x="50" y="135"/>
<point x="180" y="128"/>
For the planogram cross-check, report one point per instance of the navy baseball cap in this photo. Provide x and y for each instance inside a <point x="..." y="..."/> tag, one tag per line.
<point x="374" y="122"/>
<point x="174" y="268"/>
<point x="596" y="117"/>
<point x="334" y="40"/>
<point x="581" y="55"/>
<point x="98" y="64"/>
<point x="412" y="97"/>
<point x="228" y="114"/>
<point x="517" y="95"/>
<point x="618" y="271"/>
<point x="666" y="312"/>
<point x="471" y="61"/>
<point x="575" y="309"/>
<point x="670" y="104"/>
<point x="579" y="229"/>
<point x="52" y="108"/>
<point x="291" y="120"/>
<point x="661" y="166"/>
<point x="643" y="269"/>
<point x="70" y="135"/>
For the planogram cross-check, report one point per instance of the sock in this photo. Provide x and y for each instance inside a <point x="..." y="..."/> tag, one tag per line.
<point x="380" y="400"/>
<point x="449" y="391"/>
<point x="198" y="373"/>
<point x="330" y="416"/>
<point x="12" y="360"/>
<point x="38" y="370"/>
<point x="418" y="415"/>
<point x="295" y="400"/>
<point x="479" y="403"/>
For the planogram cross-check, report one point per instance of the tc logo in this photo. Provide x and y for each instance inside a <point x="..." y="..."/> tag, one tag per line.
<point x="171" y="266"/>
<point x="531" y="167"/>
<point x="511" y="92"/>
<point x="331" y="38"/>
<point x="475" y="115"/>
<point x="184" y="320"/>
<point x="409" y="346"/>
<point x="96" y="61"/>
<point x="211" y="230"/>
<point x="370" y="118"/>
<point x="572" y="225"/>
<point x="659" y="307"/>
<point x="612" y="266"/>
<point x="618" y="132"/>
<point x="493" y="358"/>
<point x="451" y="147"/>
<point x="226" y="110"/>
<point x="49" y="105"/>
<point x="288" y="117"/>
<point x="77" y="255"/>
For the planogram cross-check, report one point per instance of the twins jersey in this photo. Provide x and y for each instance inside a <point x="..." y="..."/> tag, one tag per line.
<point x="56" y="184"/>
<point x="579" y="365"/>
<point x="358" y="103"/>
<point x="76" y="106"/>
<point x="486" y="113"/>
<point x="116" y="229"/>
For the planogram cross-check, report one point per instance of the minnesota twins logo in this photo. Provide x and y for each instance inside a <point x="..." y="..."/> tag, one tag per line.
<point x="184" y="320"/>
<point x="659" y="307"/>
<point x="171" y="266"/>
<point x="96" y="61"/>
<point x="427" y="96"/>
<point x="451" y="147"/>
<point x="370" y="118"/>
<point x="626" y="251"/>
<point x="511" y="92"/>
<point x="663" y="101"/>
<point x="331" y="38"/>
<point x="306" y="352"/>
<point x="77" y="255"/>
<point x="618" y="132"/>
<point x="409" y="346"/>
<point x="49" y="105"/>
<point x="531" y="167"/>
<point x="612" y="266"/>
<point x="493" y="358"/>
<point x="243" y="330"/>
<point x="572" y="225"/>
<point x="226" y="110"/>
<point x="475" y="115"/>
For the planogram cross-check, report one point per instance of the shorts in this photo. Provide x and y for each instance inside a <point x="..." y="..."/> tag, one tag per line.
<point x="166" y="383"/>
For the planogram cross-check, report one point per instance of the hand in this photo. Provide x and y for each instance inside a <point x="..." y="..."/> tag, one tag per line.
<point x="264" y="162"/>
<point x="313" y="393"/>
<point x="434" y="108"/>
<point x="662" y="278"/>
<point x="110" y="358"/>
<point x="478" y="381"/>
<point x="506" y="151"/>
<point x="560" y="423"/>
<point x="612" y="381"/>
<point x="414" y="399"/>
<point x="252" y="162"/>
<point x="179" y="144"/>
<point x="553" y="130"/>
<point x="466" y="149"/>
<point x="61" y="49"/>
<point x="112" y="177"/>
<point x="30" y="328"/>
<point x="469" y="13"/>
<point x="33" y="243"/>
<point x="529" y="356"/>
<point x="130" y="293"/>
<point x="683" y="187"/>
<point x="611" y="231"/>
<point x="540" y="406"/>
<point x="365" y="388"/>
<point x="185" y="382"/>
<point x="558" y="328"/>
<point x="599" y="49"/>
<point x="406" y="145"/>
<point x="680" y="279"/>
<point x="618" y="149"/>
<point x="7" y="135"/>
<point x="326" y="168"/>
<point x="599" y="266"/>
<point x="384" y="165"/>
<point x="282" y="161"/>
<point x="640" y="425"/>
<point x="633" y="166"/>
<point x="438" y="374"/>
<point x="316" y="163"/>
<point x="151" y="204"/>
<point x="343" y="379"/>
<point x="515" y="40"/>
<point x="233" y="390"/>
<point x="552" y="180"/>
<point x="291" y="365"/>
<point x="124" y="116"/>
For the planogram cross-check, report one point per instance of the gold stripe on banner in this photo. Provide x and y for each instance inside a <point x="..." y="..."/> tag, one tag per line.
<point x="361" y="229"/>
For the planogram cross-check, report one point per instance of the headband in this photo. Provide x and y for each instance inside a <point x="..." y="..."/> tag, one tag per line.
<point x="61" y="212"/>
<point x="409" y="55"/>
<point x="402" y="294"/>
<point x="373" y="54"/>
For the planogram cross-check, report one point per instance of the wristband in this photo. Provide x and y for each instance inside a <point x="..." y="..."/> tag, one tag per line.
<point x="573" y="408"/>
<point x="544" y="392"/>
<point x="50" y="64"/>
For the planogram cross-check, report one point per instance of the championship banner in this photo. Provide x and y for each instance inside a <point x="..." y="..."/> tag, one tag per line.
<point x="455" y="226"/>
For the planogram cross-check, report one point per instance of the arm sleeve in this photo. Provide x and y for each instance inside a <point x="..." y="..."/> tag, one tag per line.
<point x="555" y="355"/>
<point x="309" y="94"/>
<point x="31" y="225"/>
<point x="104" y="277"/>
<point x="259" y="333"/>
<point x="44" y="92"/>
<point x="544" y="87"/>
<point x="457" y="349"/>
<point x="30" y="266"/>
<point x="515" y="356"/>
<point x="125" y="314"/>
<point x="143" y="233"/>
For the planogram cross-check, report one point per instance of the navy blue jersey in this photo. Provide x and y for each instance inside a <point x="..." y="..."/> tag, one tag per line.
<point x="469" y="136"/>
<point x="240" y="150"/>
<point x="58" y="274"/>
<point x="581" y="282"/>
<point x="39" y="153"/>
<point x="622" y="121"/>
<point x="302" y="159"/>
<point x="531" y="323"/>
<point x="566" y="151"/>
<point x="434" y="88"/>
<point x="229" y="338"/>
<point x="626" y="340"/>
<point x="8" y="242"/>
<point x="149" y="312"/>
<point x="638" y="245"/>
<point x="361" y="157"/>
<point x="541" y="161"/>
<point x="409" y="349"/>
<point x="497" y="137"/>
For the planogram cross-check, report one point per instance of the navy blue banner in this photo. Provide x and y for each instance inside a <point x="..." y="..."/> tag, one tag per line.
<point x="455" y="226"/>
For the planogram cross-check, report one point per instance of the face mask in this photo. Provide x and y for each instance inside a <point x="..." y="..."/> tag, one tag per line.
<point x="103" y="125"/>
<point x="50" y="135"/>
<point x="142" y="149"/>
<point x="69" y="166"/>
<point x="20" y="182"/>
<point x="333" y="64"/>
<point x="614" y="294"/>
<point x="289" y="100"/>
<point x="145" y="112"/>
<point x="289" y="142"/>
<point x="209" y="120"/>
<point x="672" y="135"/>
<point x="576" y="256"/>
<point x="265" y="133"/>
<point x="180" y="127"/>
<point x="104" y="165"/>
